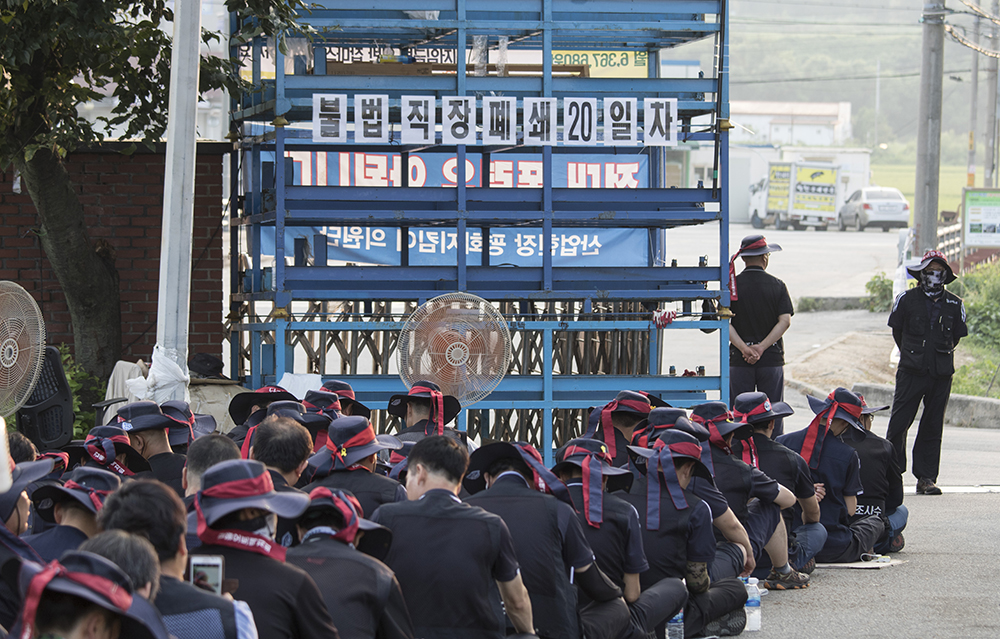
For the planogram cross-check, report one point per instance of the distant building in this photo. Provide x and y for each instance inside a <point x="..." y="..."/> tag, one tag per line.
<point x="790" y="123"/>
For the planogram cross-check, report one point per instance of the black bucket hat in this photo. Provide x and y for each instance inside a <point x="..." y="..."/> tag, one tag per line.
<point x="240" y="405"/>
<point x="932" y="256"/>
<point x="718" y="420"/>
<point x="376" y="539"/>
<point x="102" y="447"/>
<point x="839" y="404"/>
<point x="23" y="475"/>
<point x="525" y="457"/>
<point x="756" y="245"/>
<point x="626" y="401"/>
<point x="87" y="576"/>
<point x="139" y="416"/>
<point x="662" y="419"/>
<point x="444" y="408"/>
<point x="251" y="479"/>
<point x="188" y="425"/>
<point x="671" y="444"/>
<point x="755" y="407"/>
<point x="349" y="440"/>
<point x="86" y="485"/>
<point x="346" y="394"/>
<point x="593" y="458"/>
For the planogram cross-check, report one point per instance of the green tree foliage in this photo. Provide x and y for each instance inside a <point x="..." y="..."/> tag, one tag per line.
<point x="56" y="55"/>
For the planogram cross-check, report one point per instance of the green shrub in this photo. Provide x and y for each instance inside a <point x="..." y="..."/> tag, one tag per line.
<point x="87" y="390"/>
<point x="981" y="291"/>
<point x="879" y="293"/>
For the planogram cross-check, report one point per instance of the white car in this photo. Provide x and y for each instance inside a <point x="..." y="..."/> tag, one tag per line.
<point x="875" y="206"/>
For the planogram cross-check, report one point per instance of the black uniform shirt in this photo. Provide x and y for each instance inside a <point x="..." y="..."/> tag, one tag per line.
<point x="287" y="534"/>
<point x="780" y="463"/>
<point x="927" y="331"/>
<point x="12" y="547"/>
<point x="193" y="613"/>
<point x="738" y="482"/>
<point x="361" y="592"/>
<point x="762" y="298"/>
<point x="617" y="543"/>
<point x="52" y="543"/>
<point x="285" y="601"/>
<point x="447" y="556"/>
<point x="879" y="475"/>
<point x="167" y="467"/>
<point x="371" y="490"/>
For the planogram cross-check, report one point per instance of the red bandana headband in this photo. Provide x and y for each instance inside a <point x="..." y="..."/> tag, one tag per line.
<point x="94" y="494"/>
<point x="812" y="446"/>
<point x="236" y="489"/>
<point x="664" y="464"/>
<point x="593" y="482"/>
<point x="332" y="410"/>
<point x="609" y="429"/>
<point x="114" y="592"/>
<point x="102" y="450"/>
<point x="714" y="436"/>
<point x="761" y="243"/>
<point x="437" y="407"/>
<point x="339" y="451"/>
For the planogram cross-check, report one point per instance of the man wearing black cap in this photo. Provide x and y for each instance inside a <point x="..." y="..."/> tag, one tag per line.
<point x="550" y="544"/>
<point x="677" y="535"/>
<point x="237" y="509"/>
<point x="73" y="507"/>
<point x="150" y="509"/>
<point x="762" y="312"/>
<point x="147" y="427"/>
<point x="612" y="528"/>
<point x="284" y="446"/>
<point x="108" y="447"/>
<point x="249" y="409"/>
<point x="836" y="467"/>
<point x="754" y="497"/>
<point x="927" y="322"/>
<point x="447" y="555"/>
<point x="883" y="482"/>
<point x="347" y="461"/>
<point x="349" y="405"/>
<point x="425" y="410"/>
<point x="81" y="595"/>
<point x="789" y="469"/>
<point x="342" y="551"/>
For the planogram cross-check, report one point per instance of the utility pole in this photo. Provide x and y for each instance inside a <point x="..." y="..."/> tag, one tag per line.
<point x="929" y="127"/>
<point x="973" y="103"/>
<point x="990" y="130"/>
<point x="174" y="298"/>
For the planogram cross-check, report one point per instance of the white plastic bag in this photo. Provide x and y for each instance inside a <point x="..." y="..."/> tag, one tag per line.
<point x="166" y="379"/>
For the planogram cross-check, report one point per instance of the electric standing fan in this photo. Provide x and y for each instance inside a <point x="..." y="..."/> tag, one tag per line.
<point x="22" y="346"/>
<point x="458" y="341"/>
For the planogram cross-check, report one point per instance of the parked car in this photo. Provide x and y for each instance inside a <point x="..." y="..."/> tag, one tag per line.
<point x="874" y="206"/>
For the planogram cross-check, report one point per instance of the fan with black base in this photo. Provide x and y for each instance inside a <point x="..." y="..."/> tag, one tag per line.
<point x="458" y="341"/>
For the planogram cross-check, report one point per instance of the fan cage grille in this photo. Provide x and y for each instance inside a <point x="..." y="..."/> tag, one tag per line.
<point x="22" y="346"/>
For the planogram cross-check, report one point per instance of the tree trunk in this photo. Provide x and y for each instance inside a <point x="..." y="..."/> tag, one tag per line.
<point x="87" y="275"/>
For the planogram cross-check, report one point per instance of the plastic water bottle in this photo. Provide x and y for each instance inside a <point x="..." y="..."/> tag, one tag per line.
<point x="675" y="627"/>
<point x="753" y="605"/>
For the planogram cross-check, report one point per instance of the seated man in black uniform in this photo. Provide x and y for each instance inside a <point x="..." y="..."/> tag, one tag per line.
<point x="73" y="507"/>
<point x="249" y="409"/>
<point x="836" y="467"/>
<point x="883" y="482"/>
<point x="347" y="461"/>
<point x="550" y="545"/>
<point x="150" y="509"/>
<point x="614" y="423"/>
<point x="425" y="410"/>
<point x="361" y="592"/>
<point x="612" y="528"/>
<point x="284" y="446"/>
<point x="735" y="555"/>
<point x="787" y="468"/>
<point x="147" y="427"/>
<point x="677" y="535"/>
<point x="237" y="509"/>
<point x="447" y="555"/>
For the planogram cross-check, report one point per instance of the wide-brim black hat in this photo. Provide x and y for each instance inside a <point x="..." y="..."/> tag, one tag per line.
<point x="133" y="460"/>
<point x="763" y="250"/>
<point x="342" y="430"/>
<point x="868" y="410"/>
<point x="23" y="475"/>
<point x="47" y="496"/>
<point x="484" y="457"/>
<point x="79" y="561"/>
<point x="932" y="256"/>
<point x="288" y="505"/>
<point x="700" y="469"/>
<point x="346" y="394"/>
<point x="142" y="415"/>
<point x="744" y="403"/>
<point x="576" y="460"/>
<point x="240" y="405"/>
<point x="397" y="403"/>
<point x="375" y="542"/>
<point x="819" y="405"/>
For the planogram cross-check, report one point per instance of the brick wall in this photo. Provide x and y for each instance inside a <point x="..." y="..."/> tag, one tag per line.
<point x="123" y="198"/>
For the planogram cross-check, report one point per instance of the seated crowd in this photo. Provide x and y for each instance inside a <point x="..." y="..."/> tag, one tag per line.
<point x="324" y="528"/>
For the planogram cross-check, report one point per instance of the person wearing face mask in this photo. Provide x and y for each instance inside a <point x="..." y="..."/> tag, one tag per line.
<point x="237" y="510"/>
<point x="927" y="322"/>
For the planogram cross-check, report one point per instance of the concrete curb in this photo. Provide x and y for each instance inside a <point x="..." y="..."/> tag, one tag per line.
<point x="963" y="410"/>
<point x="807" y="389"/>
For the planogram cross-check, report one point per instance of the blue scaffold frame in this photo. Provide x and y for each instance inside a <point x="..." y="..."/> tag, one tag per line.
<point x="265" y="119"/>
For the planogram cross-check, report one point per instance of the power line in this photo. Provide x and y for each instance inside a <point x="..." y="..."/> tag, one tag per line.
<point x="821" y="24"/>
<point x="883" y="76"/>
<point x="827" y="5"/>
